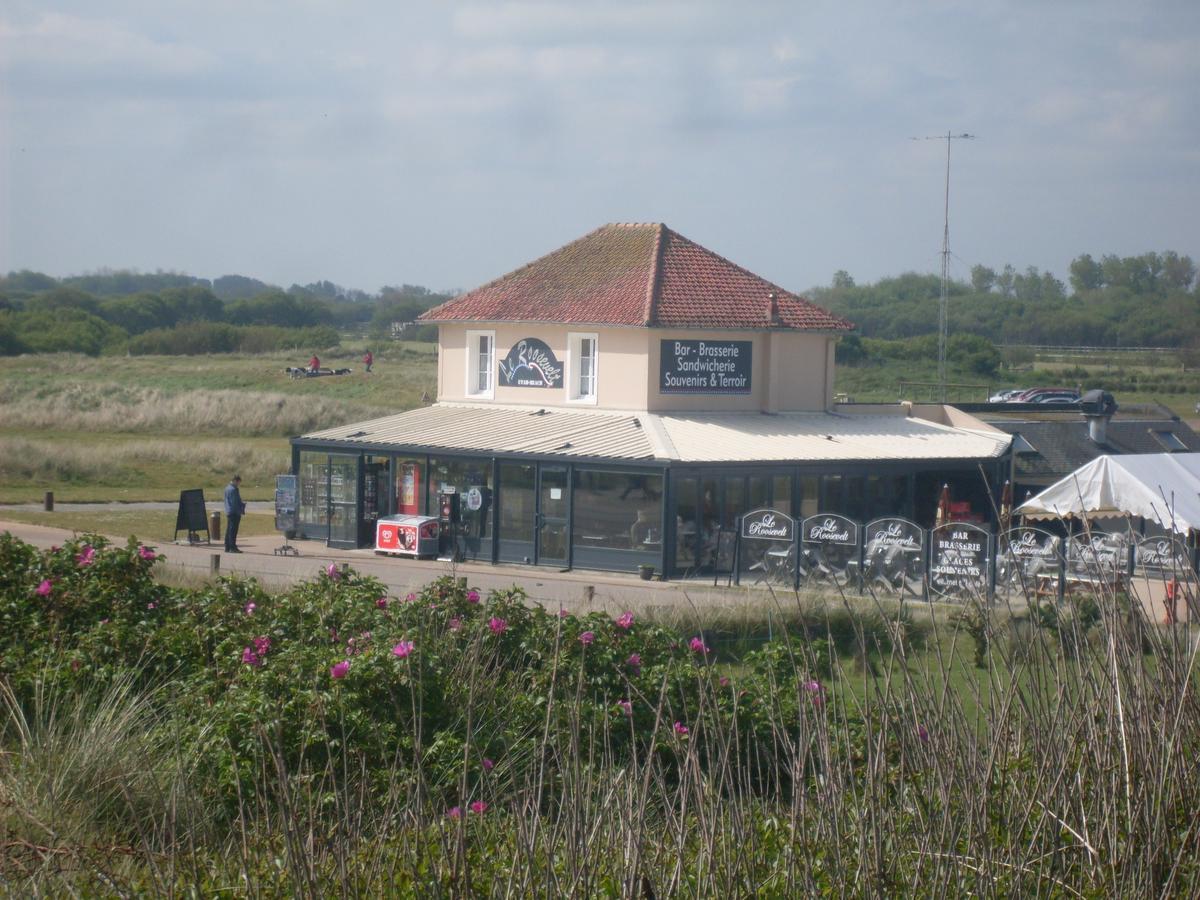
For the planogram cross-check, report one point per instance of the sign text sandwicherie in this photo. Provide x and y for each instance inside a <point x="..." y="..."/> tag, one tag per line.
<point x="705" y="367"/>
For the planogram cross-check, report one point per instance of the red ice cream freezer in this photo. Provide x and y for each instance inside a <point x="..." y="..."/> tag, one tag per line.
<point x="407" y="535"/>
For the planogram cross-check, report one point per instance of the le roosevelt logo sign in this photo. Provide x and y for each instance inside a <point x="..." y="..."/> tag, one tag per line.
<point x="531" y="363"/>
<point x="768" y="524"/>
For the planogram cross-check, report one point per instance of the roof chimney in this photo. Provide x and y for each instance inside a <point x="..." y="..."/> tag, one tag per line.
<point x="1098" y="408"/>
<point x="772" y="308"/>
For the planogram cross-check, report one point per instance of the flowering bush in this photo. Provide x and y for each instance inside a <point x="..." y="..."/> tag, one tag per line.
<point x="330" y="674"/>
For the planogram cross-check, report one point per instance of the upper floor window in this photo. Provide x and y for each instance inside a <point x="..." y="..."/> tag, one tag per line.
<point x="481" y="364"/>
<point x="582" y="362"/>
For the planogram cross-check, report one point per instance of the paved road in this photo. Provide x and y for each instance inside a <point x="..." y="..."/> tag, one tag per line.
<point x="550" y="587"/>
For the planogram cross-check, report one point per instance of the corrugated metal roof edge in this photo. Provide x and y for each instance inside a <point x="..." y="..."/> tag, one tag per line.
<point x="626" y="462"/>
<point x="654" y="429"/>
<point x="433" y="450"/>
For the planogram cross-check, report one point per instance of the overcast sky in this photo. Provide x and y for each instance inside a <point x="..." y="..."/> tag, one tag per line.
<point x="445" y="144"/>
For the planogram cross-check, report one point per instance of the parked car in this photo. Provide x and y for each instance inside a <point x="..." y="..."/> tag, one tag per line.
<point x="1064" y="398"/>
<point x="1008" y="394"/>
<point x="1036" y="395"/>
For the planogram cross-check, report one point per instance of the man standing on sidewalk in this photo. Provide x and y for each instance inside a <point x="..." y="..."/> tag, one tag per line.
<point x="234" y="507"/>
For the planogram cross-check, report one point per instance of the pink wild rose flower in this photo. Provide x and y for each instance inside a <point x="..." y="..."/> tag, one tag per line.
<point x="44" y="589"/>
<point x="332" y="571"/>
<point x="587" y="637"/>
<point x="146" y="553"/>
<point x="681" y="729"/>
<point x="403" y="649"/>
<point x="816" y="690"/>
<point x="250" y="608"/>
<point x="478" y="807"/>
<point x="472" y="596"/>
<point x="626" y="707"/>
<point x="87" y="556"/>
<point x="454" y="812"/>
<point x="381" y="603"/>
<point x="488" y="765"/>
<point x="250" y="658"/>
<point x="635" y="663"/>
<point x="698" y="645"/>
<point x="339" y="670"/>
<point x="498" y="626"/>
<point x="455" y="623"/>
<point x="625" y="621"/>
<point x="262" y="645"/>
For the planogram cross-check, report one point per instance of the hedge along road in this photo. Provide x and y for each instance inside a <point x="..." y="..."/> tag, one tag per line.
<point x="551" y="588"/>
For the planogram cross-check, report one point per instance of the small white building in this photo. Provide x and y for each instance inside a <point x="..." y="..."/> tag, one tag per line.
<point x="622" y="399"/>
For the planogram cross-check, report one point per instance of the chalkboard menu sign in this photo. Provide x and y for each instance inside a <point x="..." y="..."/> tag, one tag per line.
<point x="705" y="367"/>
<point x="192" y="516"/>
<point x="959" y="560"/>
<point x="286" y="490"/>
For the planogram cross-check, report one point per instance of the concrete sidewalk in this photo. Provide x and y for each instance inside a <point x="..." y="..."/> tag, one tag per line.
<point x="577" y="591"/>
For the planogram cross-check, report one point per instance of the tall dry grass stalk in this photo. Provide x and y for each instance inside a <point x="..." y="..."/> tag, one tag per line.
<point x="81" y="772"/>
<point x="118" y="408"/>
<point x="42" y="460"/>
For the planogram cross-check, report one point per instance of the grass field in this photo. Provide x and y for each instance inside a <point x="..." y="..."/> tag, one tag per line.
<point x="143" y="428"/>
<point x="148" y="525"/>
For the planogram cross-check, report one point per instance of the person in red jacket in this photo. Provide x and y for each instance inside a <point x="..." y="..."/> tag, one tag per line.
<point x="368" y="360"/>
<point x="314" y="364"/>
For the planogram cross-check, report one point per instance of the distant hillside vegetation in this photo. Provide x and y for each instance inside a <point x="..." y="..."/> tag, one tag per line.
<point x="1151" y="300"/>
<point x="172" y="313"/>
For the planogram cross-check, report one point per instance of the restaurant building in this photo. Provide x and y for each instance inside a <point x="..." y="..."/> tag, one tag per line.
<point x="623" y="399"/>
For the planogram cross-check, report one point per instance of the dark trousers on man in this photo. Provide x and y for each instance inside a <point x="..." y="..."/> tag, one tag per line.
<point x="231" y="531"/>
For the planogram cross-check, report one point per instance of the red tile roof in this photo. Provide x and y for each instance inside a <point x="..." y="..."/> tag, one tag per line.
<point x="636" y="274"/>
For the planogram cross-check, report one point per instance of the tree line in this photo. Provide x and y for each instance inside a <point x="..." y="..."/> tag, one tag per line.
<point x="119" y="312"/>
<point x="1150" y="300"/>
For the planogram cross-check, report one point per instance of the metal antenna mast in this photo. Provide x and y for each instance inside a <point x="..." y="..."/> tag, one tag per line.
<point x="942" y="327"/>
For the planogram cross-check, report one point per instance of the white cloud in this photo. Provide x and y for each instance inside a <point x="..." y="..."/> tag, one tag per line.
<point x="1174" y="57"/>
<point x="565" y="21"/>
<point x="56" y="39"/>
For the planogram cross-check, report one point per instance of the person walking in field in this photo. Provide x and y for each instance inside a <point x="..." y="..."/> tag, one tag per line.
<point x="314" y="364"/>
<point x="368" y="360"/>
<point x="234" y="508"/>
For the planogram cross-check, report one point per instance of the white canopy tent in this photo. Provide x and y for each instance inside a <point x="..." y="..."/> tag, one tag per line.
<point x="1163" y="488"/>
